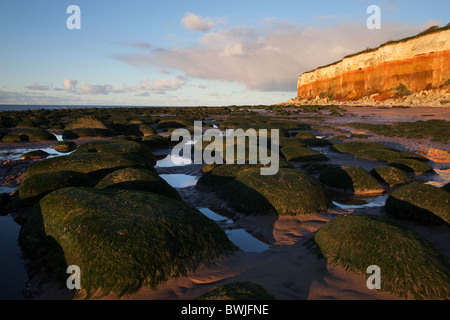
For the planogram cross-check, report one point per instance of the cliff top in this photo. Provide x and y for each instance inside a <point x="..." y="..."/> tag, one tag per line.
<point x="433" y="29"/>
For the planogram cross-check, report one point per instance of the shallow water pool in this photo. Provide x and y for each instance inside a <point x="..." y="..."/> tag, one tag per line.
<point x="13" y="274"/>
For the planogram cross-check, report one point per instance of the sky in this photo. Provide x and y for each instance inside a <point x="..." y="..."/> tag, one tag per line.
<point x="186" y="53"/>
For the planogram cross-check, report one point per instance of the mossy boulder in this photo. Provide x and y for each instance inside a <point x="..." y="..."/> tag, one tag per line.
<point x="410" y="265"/>
<point x="116" y="147"/>
<point x="302" y="154"/>
<point x="147" y="130"/>
<point x="350" y="179"/>
<point x="289" y="192"/>
<point x="317" y="142"/>
<point x="91" y="122"/>
<point x="95" y="164"/>
<point x="33" y="188"/>
<point x="138" y="179"/>
<point x="220" y="175"/>
<point x="121" y="239"/>
<point x="65" y="146"/>
<point x="35" y="135"/>
<point x="390" y="175"/>
<point x="85" y="132"/>
<point x="411" y="165"/>
<point x="13" y="138"/>
<point x="237" y="291"/>
<point x="291" y="142"/>
<point x="155" y="141"/>
<point x="34" y="155"/>
<point x="304" y="135"/>
<point x="167" y="123"/>
<point x="421" y="203"/>
<point x="446" y="187"/>
<point x="377" y="152"/>
<point x="355" y="147"/>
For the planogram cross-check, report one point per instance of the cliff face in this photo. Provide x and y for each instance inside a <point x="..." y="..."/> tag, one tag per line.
<point x="393" y="70"/>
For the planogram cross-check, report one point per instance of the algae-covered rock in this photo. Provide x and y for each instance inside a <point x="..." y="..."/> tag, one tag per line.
<point x="85" y="132"/>
<point x="120" y="239"/>
<point x="302" y="154"/>
<point x="95" y="164"/>
<point x="13" y="138"/>
<point x="289" y="192"/>
<point x="35" y="135"/>
<point x="411" y="165"/>
<point x="156" y="141"/>
<point x="237" y="291"/>
<point x="220" y="175"/>
<point x="87" y="122"/>
<point x="351" y="179"/>
<point x="116" y="147"/>
<point x="171" y="122"/>
<point x="147" y="130"/>
<point x="138" y="179"/>
<point x="291" y="142"/>
<point x="390" y="175"/>
<point x="410" y="266"/>
<point x="317" y="142"/>
<point x="304" y="135"/>
<point x="65" y="146"/>
<point x="35" y="154"/>
<point x="357" y="146"/>
<point x="33" y="188"/>
<point x="419" y="202"/>
<point x="446" y="187"/>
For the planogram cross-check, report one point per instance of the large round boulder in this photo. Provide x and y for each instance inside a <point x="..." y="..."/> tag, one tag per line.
<point x="288" y="192"/>
<point x="302" y="154"/>
<point x="419" y="202"/>
<point x="350" y="179"/>
<point x="95" y="164"/>
<point x="138" y="179"/>
<point x="120" y="239"/>
<point x="33" y="188"/>
<point x="410" y="266"/>
<point x="390" y="175"/>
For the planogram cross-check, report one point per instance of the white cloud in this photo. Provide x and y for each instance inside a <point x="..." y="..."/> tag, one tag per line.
<point x="195" y="22"/>
<point x="269" y="57"/>
<point x="134" y="44"/>
<point x="87" y="88"/>
<point x="37" y="86"/>
<point x="162" y="85"/>
<point x="69" y="84"/>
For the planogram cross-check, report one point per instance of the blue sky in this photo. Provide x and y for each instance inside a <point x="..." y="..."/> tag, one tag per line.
<point x="186" y="52"/>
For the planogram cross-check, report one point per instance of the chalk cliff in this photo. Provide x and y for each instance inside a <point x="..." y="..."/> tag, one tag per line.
<point x="407" y="70"/>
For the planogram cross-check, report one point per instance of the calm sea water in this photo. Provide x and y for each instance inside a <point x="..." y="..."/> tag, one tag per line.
<point x="4" y="107"/>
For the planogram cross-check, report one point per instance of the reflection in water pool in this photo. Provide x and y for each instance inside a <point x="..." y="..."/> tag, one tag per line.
<point x="379" y="201"/>
<point x="436" y="155"/>
<point x="17" y="153"/>
<point x="214" y="216"/>
<point x="178" y="180"/>
<point x="12" y="270"/>
<point x="440" y="179"/>
<point x="245" y="241"/>
<point x="241" y="238"/>
<point x="173" y="161"/>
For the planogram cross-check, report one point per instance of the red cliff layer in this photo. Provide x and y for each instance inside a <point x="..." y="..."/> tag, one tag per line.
<point x="396" y="69"/>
